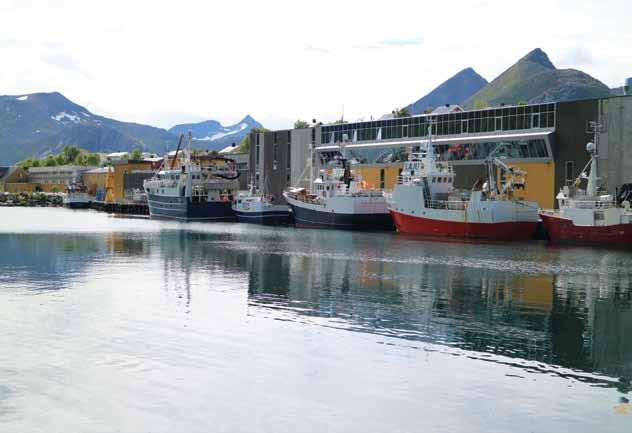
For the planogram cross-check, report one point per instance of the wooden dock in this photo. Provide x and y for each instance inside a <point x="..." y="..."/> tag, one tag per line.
<point x="121" y="208"/>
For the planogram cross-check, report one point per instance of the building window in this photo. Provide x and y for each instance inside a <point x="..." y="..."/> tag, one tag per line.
<point x="570" y="172"/>
<point x="475" y="121"/>
<point x="288" y="157"/>
<point x="257" y="152"/>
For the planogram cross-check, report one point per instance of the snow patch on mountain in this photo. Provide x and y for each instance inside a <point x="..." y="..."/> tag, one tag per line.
<point x="224" y="132"/>
<point x="63" y="115"/>
<point x="23" y="98"/>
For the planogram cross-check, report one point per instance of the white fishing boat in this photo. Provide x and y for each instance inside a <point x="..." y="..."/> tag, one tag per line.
<point x="425" y="202"/>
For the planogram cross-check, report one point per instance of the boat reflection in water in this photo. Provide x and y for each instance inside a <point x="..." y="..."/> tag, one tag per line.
<point x="474" y="307"/>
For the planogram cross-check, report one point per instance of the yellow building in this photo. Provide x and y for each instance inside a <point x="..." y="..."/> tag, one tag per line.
<point x="120" y="169"/>
<point x="95" y="179"/>
<point x="540" y="178"/>
<point x="540" y="183"/>
<point x="13" y="179"/>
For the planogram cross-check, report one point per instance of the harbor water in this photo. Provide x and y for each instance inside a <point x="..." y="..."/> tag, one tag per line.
<point x="130" y="325"/>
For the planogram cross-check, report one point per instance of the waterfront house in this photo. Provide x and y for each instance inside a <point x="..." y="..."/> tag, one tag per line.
<point x="129" y="175"/>
<point x="14" y="179"/>
<point x="57" y="178"/>
<point x="94" y="180"/>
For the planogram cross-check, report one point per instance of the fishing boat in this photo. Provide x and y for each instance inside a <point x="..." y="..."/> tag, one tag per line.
<point x="425" y="201"/>
<point x="261" y="208"/>
<point x="76" y="196"/>
<point x="194" y="191"/>
<point x="590" y="215"/>
<point x="339" y="199"/>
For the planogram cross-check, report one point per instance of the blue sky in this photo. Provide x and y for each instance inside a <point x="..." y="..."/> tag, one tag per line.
<point x="166" y="62"/>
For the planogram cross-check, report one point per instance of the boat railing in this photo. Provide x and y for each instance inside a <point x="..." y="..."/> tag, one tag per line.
<point x="446" y="204"/>
<point x="367" y="193"/>
<point x="161" y="183"/>
<point x="402" y="179"/>
<point x="590" y="204"/>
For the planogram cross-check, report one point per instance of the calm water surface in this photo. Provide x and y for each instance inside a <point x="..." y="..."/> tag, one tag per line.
<point x="124" y="325"/>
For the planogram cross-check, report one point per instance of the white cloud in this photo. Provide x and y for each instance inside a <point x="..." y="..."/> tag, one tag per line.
<point x="147" y="61"/>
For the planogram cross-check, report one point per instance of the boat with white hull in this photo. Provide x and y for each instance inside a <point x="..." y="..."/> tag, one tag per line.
<point x="76" y="196"/>
<point x="425" y="202"/>
<point x="77" y="200"/>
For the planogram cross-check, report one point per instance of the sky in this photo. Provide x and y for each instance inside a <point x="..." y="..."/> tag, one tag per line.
<point x="167" y="62"/>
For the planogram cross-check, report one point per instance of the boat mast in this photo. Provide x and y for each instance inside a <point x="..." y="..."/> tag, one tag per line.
<point x="189" y="169"/>
<point x="311" y="167"/>
<point x="177" y="151"/>
<point x="430" y="155"/>
<point x="591" y="148"/>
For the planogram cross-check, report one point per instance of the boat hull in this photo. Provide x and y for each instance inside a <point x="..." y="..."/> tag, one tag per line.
<point x="502" y="231"/>
<point x="265" y="217"/>
<point x="311" y="218"/>
<point x="182" y="209"/>
<point x="77" y="204"/>
<point x="562" y="230"/>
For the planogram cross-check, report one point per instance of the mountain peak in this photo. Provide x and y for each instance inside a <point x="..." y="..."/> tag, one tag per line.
<point x="540" y="57"/>
<point x="534" y="79"/>
<point x="212" y="134"/>
<point x="455" y="90"/>
<point x="248" y="119"/>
